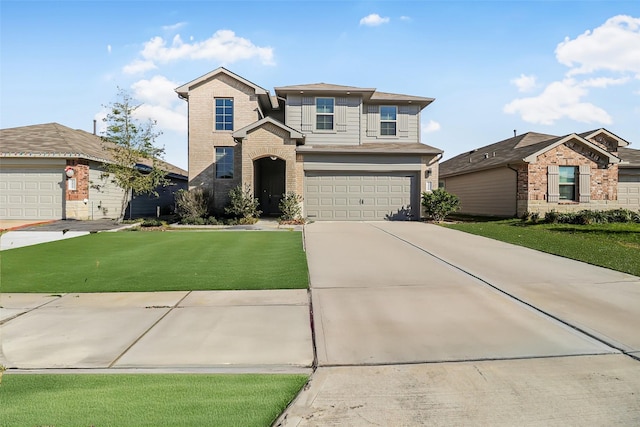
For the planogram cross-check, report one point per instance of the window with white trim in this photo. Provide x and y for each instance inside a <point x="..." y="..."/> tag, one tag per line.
<point x="324" y="113"/>
<point x="224" y="162"/>
<point x="388" y="120"/>
<point x="568" y="182"/>
<point x="224" y="113"/>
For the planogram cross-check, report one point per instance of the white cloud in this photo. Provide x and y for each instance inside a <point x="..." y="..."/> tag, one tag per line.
<point x="603" y="82"/>
<point x="614" y="46"/>
<point x="160" y="103"/>
<point x="405" y="18"/>
<point x="224" y="46"/>
<point x="373" y="20"/>
<point x="138" y="67"/>
<point x="607" y="56"/>
<point x="108" y="48"/>
<point x="431" y="126"/>
<point x="174" y="27"/>
<point x="559" y="100"/>
<point x="525" y="83"/>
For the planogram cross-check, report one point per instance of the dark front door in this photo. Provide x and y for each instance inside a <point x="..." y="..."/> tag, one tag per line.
<point x="269" y="176"/>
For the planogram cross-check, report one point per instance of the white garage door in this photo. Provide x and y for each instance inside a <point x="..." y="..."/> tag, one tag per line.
<point x="357" y="196"/>
<point x="31" y="193"/>
<point x="629" y="191"/>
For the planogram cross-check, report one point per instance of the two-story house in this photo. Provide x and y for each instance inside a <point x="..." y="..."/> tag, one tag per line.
<point x="352" y="153"/>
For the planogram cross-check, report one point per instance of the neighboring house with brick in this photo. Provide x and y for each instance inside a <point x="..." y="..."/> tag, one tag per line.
<point x="536" y="172"/>
<point x="50" y="171"/>
<point x="352" y="153"/>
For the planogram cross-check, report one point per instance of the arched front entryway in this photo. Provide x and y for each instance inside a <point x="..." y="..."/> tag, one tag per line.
<point x="269" y="183"/>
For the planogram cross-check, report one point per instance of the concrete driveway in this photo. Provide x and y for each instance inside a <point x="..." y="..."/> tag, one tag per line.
<point x="519" y="337"/>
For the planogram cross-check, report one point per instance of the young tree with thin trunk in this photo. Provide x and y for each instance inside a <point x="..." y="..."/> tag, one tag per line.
<point x="135" y="164"/>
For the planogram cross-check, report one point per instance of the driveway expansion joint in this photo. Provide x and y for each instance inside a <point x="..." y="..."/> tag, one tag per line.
<point x="137" y="340"/>
<point x="509" y="295"/>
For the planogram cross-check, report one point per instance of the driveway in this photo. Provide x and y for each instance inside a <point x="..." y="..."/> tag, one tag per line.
<point x="417" y="324"/>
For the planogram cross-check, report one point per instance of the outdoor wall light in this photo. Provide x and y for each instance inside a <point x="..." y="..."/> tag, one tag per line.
<point x="69" y="172"/>
<point x="273" y="158"/>
<point x="428" y="173"/>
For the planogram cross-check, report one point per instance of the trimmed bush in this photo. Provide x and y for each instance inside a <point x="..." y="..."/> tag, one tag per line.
<point x="586" y="217"/>
<point x="195" y="203"/>
<point x="290" y="207"/>
<point x="439" y="203"/>
<point x="243" y="205"/>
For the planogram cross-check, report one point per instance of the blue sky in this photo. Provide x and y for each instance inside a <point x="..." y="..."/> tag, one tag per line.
<point x="493" y="66"/>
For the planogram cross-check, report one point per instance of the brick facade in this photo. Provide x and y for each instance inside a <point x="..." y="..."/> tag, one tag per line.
<point x="532" y="180"/>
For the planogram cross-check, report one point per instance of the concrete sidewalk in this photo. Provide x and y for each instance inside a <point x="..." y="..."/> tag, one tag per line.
<point x="252" y="331"/>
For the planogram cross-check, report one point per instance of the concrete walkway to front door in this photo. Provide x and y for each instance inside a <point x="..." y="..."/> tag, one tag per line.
<point x="418" y="324"/>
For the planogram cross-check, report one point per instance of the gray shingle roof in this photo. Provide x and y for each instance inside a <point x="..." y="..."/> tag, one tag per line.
<point x="516" y="150"/>
<point x="370" y="94"/>
<point x="56" y="140"/>
<point x="511" y="150"/>
<point x="629" y="156"/>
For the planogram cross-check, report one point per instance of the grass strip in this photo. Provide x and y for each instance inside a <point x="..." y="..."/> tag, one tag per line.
<point x="158" y="261"/>
<point x="145" y="400"/>
<point x="613" y="246"/>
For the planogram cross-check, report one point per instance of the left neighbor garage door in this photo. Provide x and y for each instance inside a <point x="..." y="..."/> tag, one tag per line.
<point x="357" y="196"/>
<point x="31" y="193"/>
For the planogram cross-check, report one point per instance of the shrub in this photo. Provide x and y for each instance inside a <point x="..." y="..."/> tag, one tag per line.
<point x="439" y="203"/>
<point x="195" y="203"/>
<point x="242" y="204"/>
<point x="551" y="217"/>
<point x="290" y="207"/>
<point x="152" y="222"/>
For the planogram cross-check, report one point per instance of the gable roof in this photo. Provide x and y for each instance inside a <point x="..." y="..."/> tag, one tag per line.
<point x="242" y="133"/>
<point x="598" y="132"/>
<point x="56" y="140"/>
<point x="368" y="94"/>
<point x="522" y="148"/>
<point x="183" y="91"/>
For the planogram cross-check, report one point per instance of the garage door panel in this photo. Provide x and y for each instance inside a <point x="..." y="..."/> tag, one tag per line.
<point x="370" y="196"/>
<point x="30" y="193"/>
<point x="629" y="189"/>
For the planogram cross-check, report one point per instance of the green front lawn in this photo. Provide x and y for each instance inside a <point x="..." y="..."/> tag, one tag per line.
<point x="145" y="400"/>
<point x="158" y="261"/>
<point x="614" y="246"/>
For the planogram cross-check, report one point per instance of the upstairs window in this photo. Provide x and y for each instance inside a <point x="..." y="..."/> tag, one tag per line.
<point x="224" y="162"/>
<point x="324" y="113"/>
<point x="567" y="175"/>
<point x="388" y="120"/>
<point x="224" y="114"/>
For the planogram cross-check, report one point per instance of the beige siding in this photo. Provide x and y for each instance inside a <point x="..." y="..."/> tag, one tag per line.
<point x="491" y="192"/>
<point x="105" y="197"/>
<point x="407" y="124"/>
<point x="300" y="115"/>
<point x="629" y="189"/>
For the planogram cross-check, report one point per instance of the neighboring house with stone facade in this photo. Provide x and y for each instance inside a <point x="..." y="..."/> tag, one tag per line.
<point x="536" y="172"/>
<point x="352" y="153"/>
<point x="50" y="171"/>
